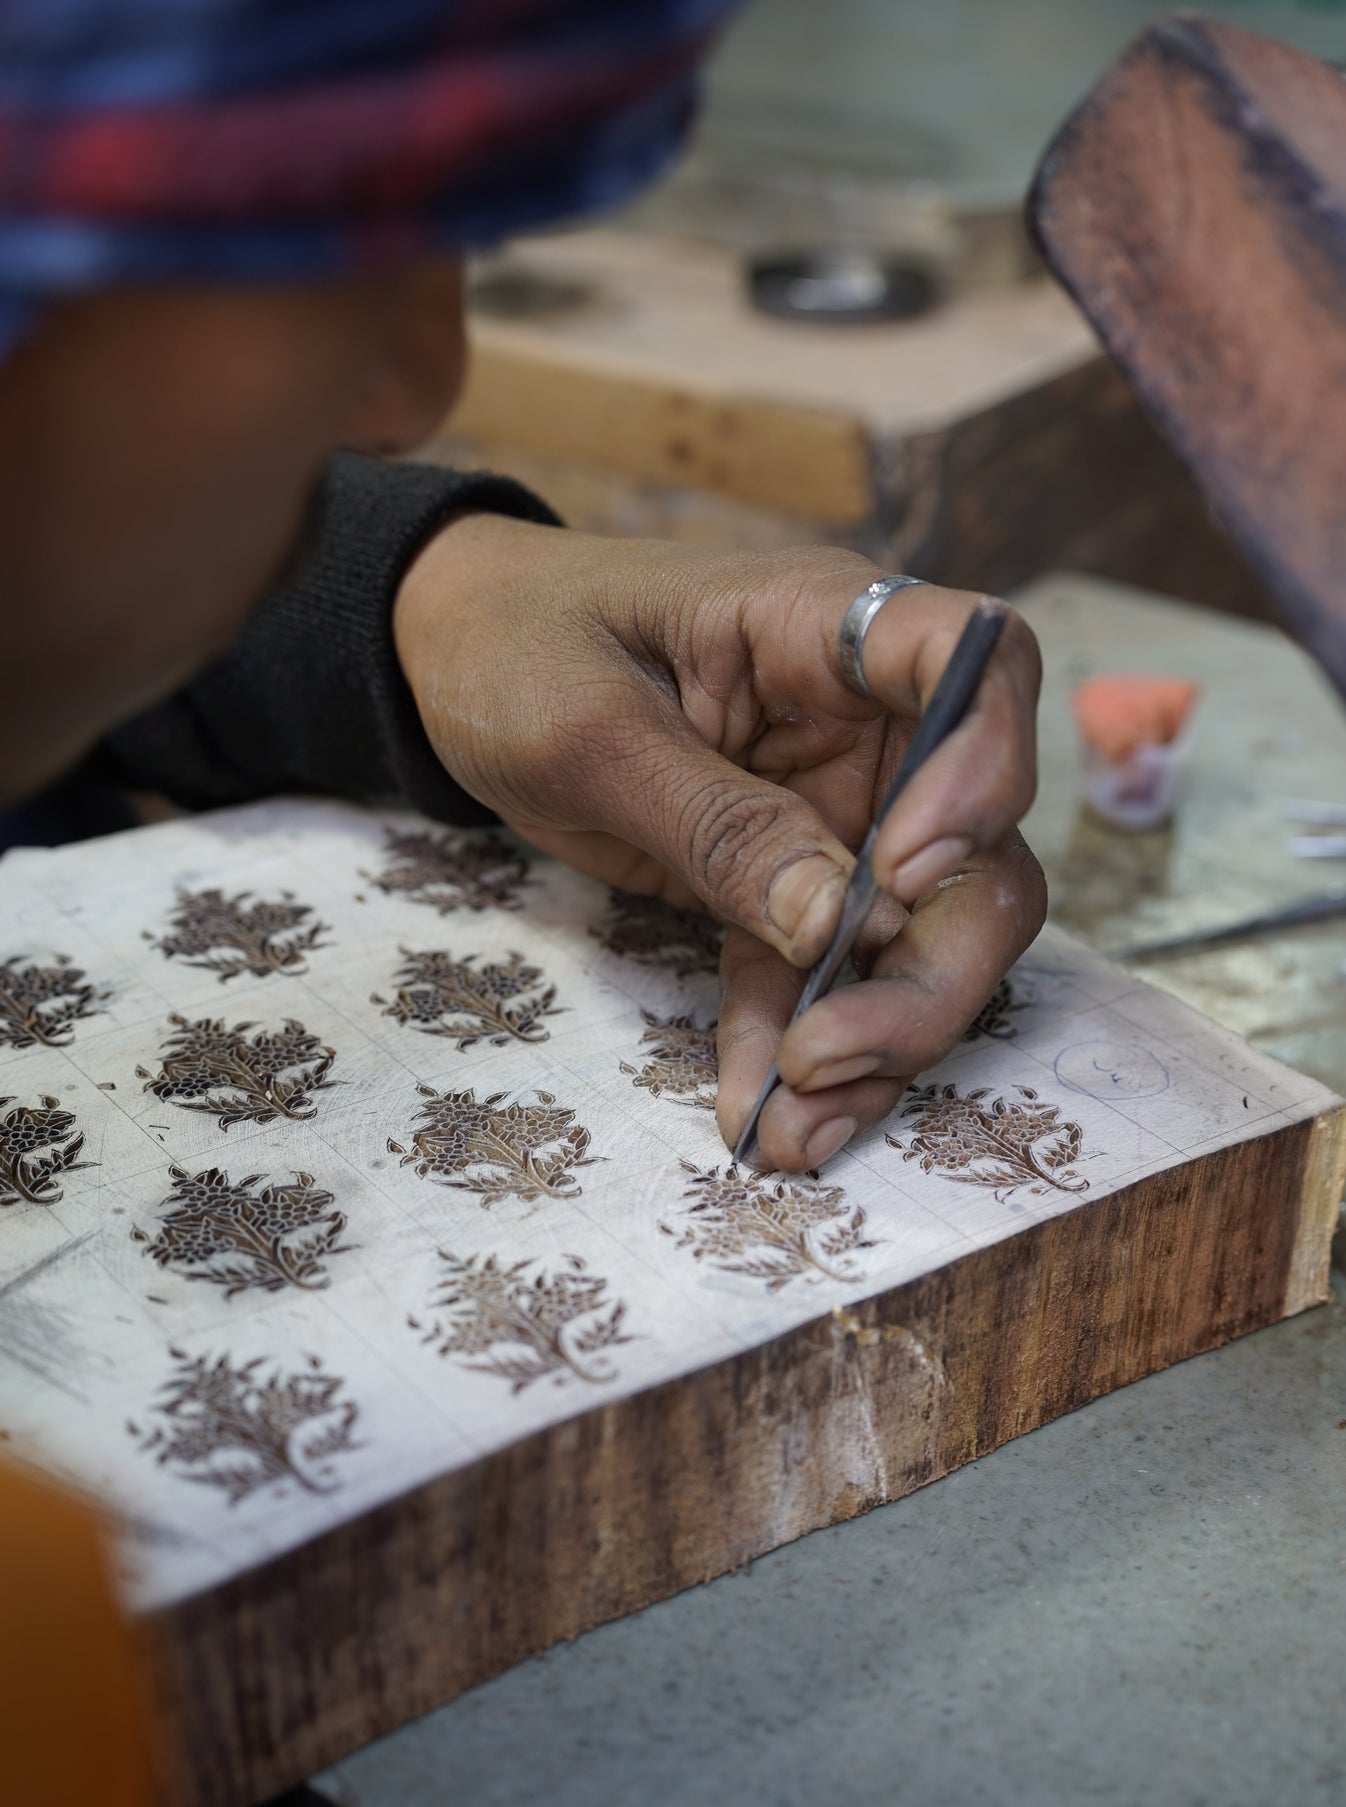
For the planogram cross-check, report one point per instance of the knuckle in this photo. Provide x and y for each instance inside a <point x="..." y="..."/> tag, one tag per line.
<point x="1021" y="644"/>
<point x="1030" y="883"/>
<point x="1005" y="799"/>
<point x="1020" y="788"/>
<point x="724" y="832"/>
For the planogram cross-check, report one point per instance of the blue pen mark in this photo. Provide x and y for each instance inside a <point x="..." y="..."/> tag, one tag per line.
<point x="1112" y="1070"/>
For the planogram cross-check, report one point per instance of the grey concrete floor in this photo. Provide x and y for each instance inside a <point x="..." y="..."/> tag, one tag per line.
<point x="1143" y="1602"/>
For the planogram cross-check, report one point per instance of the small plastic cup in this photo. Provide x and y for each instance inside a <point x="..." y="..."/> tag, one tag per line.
<point x="1136" y="732"/>
<point x="1141" y="790"/>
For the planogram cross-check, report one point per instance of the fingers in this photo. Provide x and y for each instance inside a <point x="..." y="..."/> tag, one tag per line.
<point x="759" y="993"/>
<point x="929" y="982"/>
<point x="754" y="853"/>
<point x="980" y="783"/>
<point x="846" y="1063"/>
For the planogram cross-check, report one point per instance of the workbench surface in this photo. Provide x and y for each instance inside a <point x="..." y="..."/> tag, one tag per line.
<point x="1138" y="1602"/>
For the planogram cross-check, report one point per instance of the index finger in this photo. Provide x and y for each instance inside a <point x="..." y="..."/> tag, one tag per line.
<point x="977" y="786"/>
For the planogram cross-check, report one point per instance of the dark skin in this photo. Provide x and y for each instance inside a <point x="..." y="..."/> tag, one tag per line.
<point x="668" y="720"/>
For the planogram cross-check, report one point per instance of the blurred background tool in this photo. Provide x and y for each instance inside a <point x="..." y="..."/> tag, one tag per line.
<point x="1322" y="816"/>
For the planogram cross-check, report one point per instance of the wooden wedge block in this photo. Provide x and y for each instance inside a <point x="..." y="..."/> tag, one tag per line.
<point x="367" y="1248"/>
<point x="1195" y="207"/>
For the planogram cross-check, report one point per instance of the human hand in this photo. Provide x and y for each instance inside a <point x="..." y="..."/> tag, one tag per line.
<point x="675" y="722"/>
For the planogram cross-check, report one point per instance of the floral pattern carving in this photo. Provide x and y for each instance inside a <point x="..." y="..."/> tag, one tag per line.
<point x="497" y="1150"/>
<point x="242" y="1429"/>
<point x="524" y="1329"/>
<point x="682" y="1064"/>
<point x="448" y="870"/>
<point x="993" y="1019"/>
<point x="208" y="1066"/>
<point x="1003" y="1143"/>
<point x="37" y="1146"/>
<point x="41" y="1004"/>
<point x="655" y="933"/>
<point x="236" y="1237"/>
<point x="502" y="1001"/>
<point x="743" y="1224"/>
<point x="229" y="936"/>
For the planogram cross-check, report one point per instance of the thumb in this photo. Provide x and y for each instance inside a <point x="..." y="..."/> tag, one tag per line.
<point x="755" y="853"/>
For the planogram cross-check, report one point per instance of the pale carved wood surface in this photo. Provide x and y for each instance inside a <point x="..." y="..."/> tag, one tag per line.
<point x="366" y="1244"/>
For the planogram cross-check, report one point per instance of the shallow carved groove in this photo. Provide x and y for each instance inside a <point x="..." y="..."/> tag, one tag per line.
<point x="229" y="936"/>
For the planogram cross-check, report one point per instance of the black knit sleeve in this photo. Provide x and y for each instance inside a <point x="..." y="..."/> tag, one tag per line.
<point x="311" y="696"/>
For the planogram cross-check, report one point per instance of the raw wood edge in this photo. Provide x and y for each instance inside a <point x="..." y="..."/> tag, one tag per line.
<point x="810" y="462"/>
<point x="1319" y="1213"/>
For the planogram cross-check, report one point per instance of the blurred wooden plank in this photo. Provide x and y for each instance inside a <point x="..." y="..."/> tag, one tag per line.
<point x="804" y="460"/>
<point x="627" y="378"/>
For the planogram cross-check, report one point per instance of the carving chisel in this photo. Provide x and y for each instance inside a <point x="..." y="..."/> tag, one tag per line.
<point x="949" y="704"/>
<point x="1289" y="916"/>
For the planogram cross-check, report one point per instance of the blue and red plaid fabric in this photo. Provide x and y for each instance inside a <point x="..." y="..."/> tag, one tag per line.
<point x="148" y="141"/>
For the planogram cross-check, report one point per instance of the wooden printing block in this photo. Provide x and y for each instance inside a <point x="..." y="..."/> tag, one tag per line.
<point x="368" y="1250"/>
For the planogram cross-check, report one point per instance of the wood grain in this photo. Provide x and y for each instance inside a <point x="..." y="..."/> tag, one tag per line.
<point x="758" y="450"/>
<point x="1194" y="206"/>
<point x="294" y="1664"/>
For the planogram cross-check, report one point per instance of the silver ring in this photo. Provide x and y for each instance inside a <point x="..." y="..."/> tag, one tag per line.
<point x="859" y="617"/>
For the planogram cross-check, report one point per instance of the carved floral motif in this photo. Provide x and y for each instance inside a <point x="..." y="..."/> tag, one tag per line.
<point x="743" y="1224"/>
<point x="229" y="936"/>
<point x="525" y="1328"/>
<point x="682" y="1064"/>
<point x="497" y="1150"/>
<point x="655" y="933"/>
<point x="1004" y="1143"/>
<point x="242" y="1429"/>
<point x="502" y="1001"/>
<point x="448" y="870"/>
<point x="36" y="1147"/>
<point x="41" y="1004"/>
<point x="236" y="1237"/>
<point x="208" y="1066"/>
<point x="993" y="1019"/>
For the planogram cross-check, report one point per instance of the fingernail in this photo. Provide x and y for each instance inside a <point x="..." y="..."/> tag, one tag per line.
<point x="804" y="904"/>
<point x="828" y="1138"/>
<point x="841" y="1072"/>
<point x="917" y="873"/>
